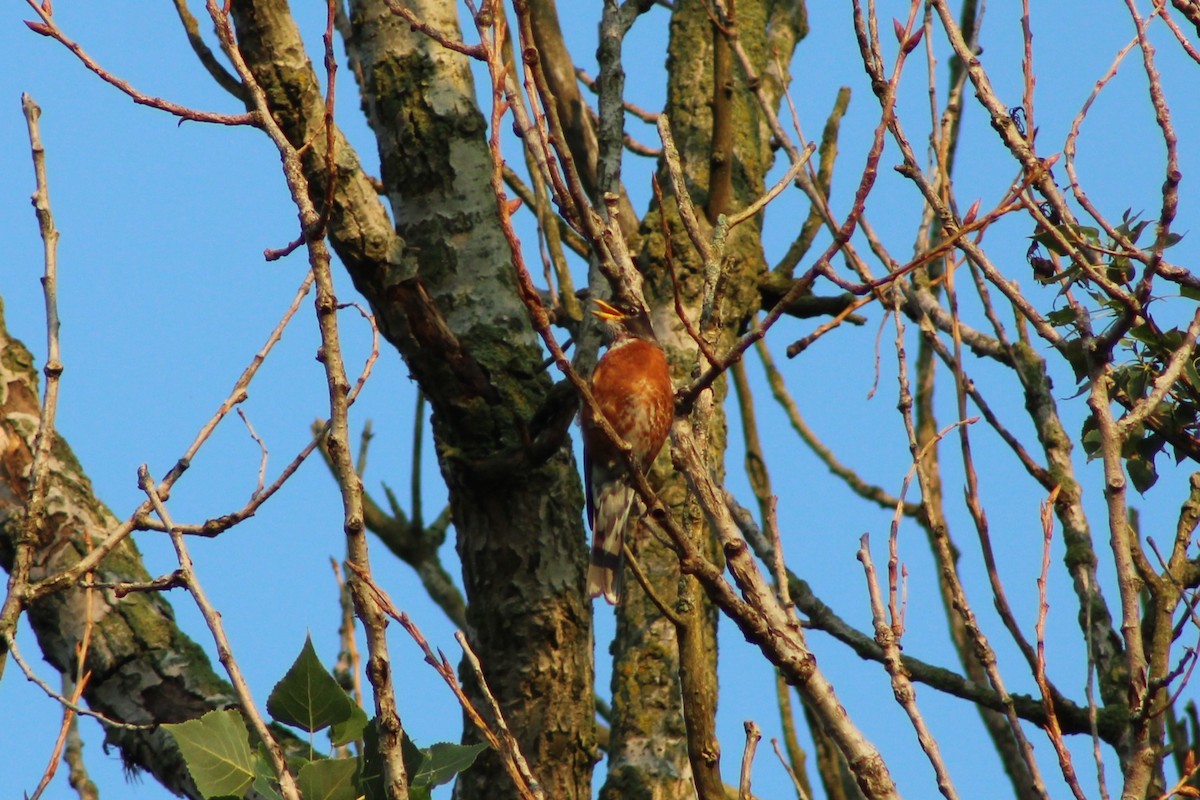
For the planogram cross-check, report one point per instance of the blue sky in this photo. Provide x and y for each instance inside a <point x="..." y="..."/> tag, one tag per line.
<point x="164" y="298"/>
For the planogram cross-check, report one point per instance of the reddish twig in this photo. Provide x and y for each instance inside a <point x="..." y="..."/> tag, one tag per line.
<point x="887" y="636"/>
<point x="48" y="27"/>
<point x="501" y="740"/>
<point x="450" y="43"/>
<point x="1052" y="728"/>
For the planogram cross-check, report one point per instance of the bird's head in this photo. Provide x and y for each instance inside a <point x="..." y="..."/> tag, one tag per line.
<point x="624" y="320"/>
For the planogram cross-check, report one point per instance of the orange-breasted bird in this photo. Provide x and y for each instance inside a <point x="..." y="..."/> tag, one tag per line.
<point x="632" y="387"/>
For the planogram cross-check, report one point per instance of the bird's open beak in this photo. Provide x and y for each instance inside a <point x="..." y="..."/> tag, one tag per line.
<point x="606" y="311"/>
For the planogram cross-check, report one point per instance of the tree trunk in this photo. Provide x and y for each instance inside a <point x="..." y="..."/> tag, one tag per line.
<point x="444" y="293"/>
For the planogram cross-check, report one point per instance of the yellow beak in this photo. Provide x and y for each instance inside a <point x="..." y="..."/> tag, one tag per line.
<point x="606" y="311"/>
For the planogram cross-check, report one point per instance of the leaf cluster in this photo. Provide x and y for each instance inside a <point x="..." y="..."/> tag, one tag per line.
<point x="218" y="753"/>
<point x="1147" y="349"/>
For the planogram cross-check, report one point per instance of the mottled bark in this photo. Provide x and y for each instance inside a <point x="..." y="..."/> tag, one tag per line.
<point x="430" y="258"/>
<point x="444" y="293"/>
<point x="144" y="670"/>
<point x="664" y="686"/>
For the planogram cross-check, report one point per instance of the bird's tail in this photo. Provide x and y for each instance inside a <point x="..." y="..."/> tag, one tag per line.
<point x="613" y="503"/>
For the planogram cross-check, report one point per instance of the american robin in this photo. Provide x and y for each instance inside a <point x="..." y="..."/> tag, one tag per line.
<point x="632" y="387"/>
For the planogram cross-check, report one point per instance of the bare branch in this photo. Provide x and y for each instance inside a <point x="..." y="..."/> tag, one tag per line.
<point x="48" y="27"/>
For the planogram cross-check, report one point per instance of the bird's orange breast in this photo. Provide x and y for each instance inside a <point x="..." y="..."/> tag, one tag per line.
<point x="632" y="387"/>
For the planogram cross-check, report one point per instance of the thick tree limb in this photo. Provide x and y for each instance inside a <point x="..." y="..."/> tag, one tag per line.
<point x="144" y="669"/>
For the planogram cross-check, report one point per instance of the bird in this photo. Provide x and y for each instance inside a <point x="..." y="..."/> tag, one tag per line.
<point x="632" y="388"/>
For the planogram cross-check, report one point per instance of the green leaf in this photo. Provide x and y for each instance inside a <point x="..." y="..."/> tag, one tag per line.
<point x="370" y="775"/>
<point x="308" y="697"/>
<point x="1191" y="375"/>
<point x="1173" y="239"/>
<point x="1072" y="350"/>
<point x="1131" y="228"/>
<point x="1151" y="445"/>
<point x="1143" y="333"/>
<point x="1090" y="438"/>
<point x="370" y="772"/>
<point x="1072" y="233"/>
<point x="413" y="757"/>
<point x="1120" y="379"/>
<point x="265" y="782"/>
<point x="1141" y="473"/>
<point x="1068" y="276"/>
<point x="1063" y="316"/>
<point x="445" y="760"/>
<point x="328" y="779"/>
<point x="426" y="768"/>
<point x="1139" y="379"/>
<point x="1119" y="271"/>
<point x="1132" y="443"/>
<point x="265" y="787"/>
<point x="350" y="729"/>
<point x="1190" y="292"/>
<point x="216" y="750"/>
<point x="1172" y="340"/>
<point x="1183" y="417"/>
<point x="1050" y="242"/>
<point x="1129" y="217"/>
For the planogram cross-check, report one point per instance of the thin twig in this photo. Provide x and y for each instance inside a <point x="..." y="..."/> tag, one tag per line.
<point x="349" y="663"/>
<point x="761" y="202"/>
<point x="73" y="688"/>
<point x="852" y="479"/>
<point x="212" y="618"/>
<point x="340" y="393"/>
<point x="945" y="558"/>
<point x="48" y="27"/>
<point x="11" y="644"/>
<point x="511" y="751"/>
<point x="687" y="214"/>
<point x="77" y="773"/>
<point x="262" y="463"/>
<point x="888" y="639"/>
<point x="217" y="70"/>
<point x="138" y="518"/>
<point x="635" y="567"/>
<point x="503" y="742"/>
<point x="418" y="434"/>
<point x="1052" y="728"/>
<point x="669" y="258"/>
<point x="34" y="521"/>
<point x="753" y="736"/>
<point x="800" y="793"/>
<point x="449" y="42"/>
<point x="648" y="117"/>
